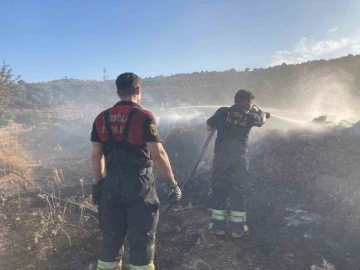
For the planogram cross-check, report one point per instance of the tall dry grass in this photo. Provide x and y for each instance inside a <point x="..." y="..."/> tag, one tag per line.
<point x="13" y="157"/>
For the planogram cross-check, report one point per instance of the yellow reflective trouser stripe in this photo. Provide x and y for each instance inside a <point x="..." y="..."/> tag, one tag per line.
<point x="107" y="265"/>
<point x="150" y="266"/>
<point x="218" y="214"/>
<point x="237" y="216"/>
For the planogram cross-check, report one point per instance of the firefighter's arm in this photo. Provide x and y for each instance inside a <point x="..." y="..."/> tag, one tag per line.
<point x="212" y="122"/>
<point x="157" y="151"/>
<point x="161" y="162"/>
<point x="97" y="161"/>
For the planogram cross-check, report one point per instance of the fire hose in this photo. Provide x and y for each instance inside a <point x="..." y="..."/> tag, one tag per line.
<point x="191" y="173"/>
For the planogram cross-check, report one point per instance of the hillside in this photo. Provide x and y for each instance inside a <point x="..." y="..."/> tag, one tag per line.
<point x="279" y="86"/>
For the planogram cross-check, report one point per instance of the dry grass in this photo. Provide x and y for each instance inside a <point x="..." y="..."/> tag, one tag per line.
<point x="57" y="218"/>
<point x="44" y="232"/>
<point x="13" y="157"/>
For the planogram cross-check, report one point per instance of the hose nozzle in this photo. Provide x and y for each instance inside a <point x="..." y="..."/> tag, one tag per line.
<point x="256" y="109"/>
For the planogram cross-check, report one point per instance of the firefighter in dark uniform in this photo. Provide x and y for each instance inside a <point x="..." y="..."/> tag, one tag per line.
<point x="125" y="146"/>
<point x="230" y="165"/>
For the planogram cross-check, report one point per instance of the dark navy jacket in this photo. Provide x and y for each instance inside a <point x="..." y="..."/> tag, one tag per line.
<point x="233" y="127"/>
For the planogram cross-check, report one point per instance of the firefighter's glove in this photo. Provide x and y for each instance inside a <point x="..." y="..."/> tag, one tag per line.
<point x="174" y="194"/>
<point x="96" y="192"/>
<point x="253" y="110"/>
<point x="261" y="114"/>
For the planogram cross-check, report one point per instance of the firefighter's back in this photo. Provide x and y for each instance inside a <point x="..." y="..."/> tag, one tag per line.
<point x="232" y="133"/>
<point x="125" y="151"/>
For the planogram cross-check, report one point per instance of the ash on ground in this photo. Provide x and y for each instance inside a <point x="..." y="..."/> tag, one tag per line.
<point x="302" y="201"/>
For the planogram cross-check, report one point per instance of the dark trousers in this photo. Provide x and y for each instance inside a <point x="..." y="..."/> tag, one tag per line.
<point x="129" y="208"/>
<point x="229" y="183"/>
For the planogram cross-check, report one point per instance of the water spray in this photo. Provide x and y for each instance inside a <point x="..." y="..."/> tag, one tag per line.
<point x="291" y="120"/>
<point x="200" y="106"/>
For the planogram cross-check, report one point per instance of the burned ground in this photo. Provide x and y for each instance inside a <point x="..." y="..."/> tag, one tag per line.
<point x="302" y="204"/>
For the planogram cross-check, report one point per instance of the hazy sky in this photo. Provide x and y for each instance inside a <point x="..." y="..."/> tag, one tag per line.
<point x="51" y="39"/>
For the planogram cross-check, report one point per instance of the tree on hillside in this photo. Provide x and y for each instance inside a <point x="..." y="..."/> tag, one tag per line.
<point x="8" y="82"/>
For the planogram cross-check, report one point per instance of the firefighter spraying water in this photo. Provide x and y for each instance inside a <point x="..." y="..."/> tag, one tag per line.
<point x="230" y="165"/>
<point x="230" y="175"/>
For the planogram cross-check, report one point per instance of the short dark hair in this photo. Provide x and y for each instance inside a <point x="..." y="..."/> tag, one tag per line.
<point x="243" y="95"/>
<point x="126" y="84"/>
